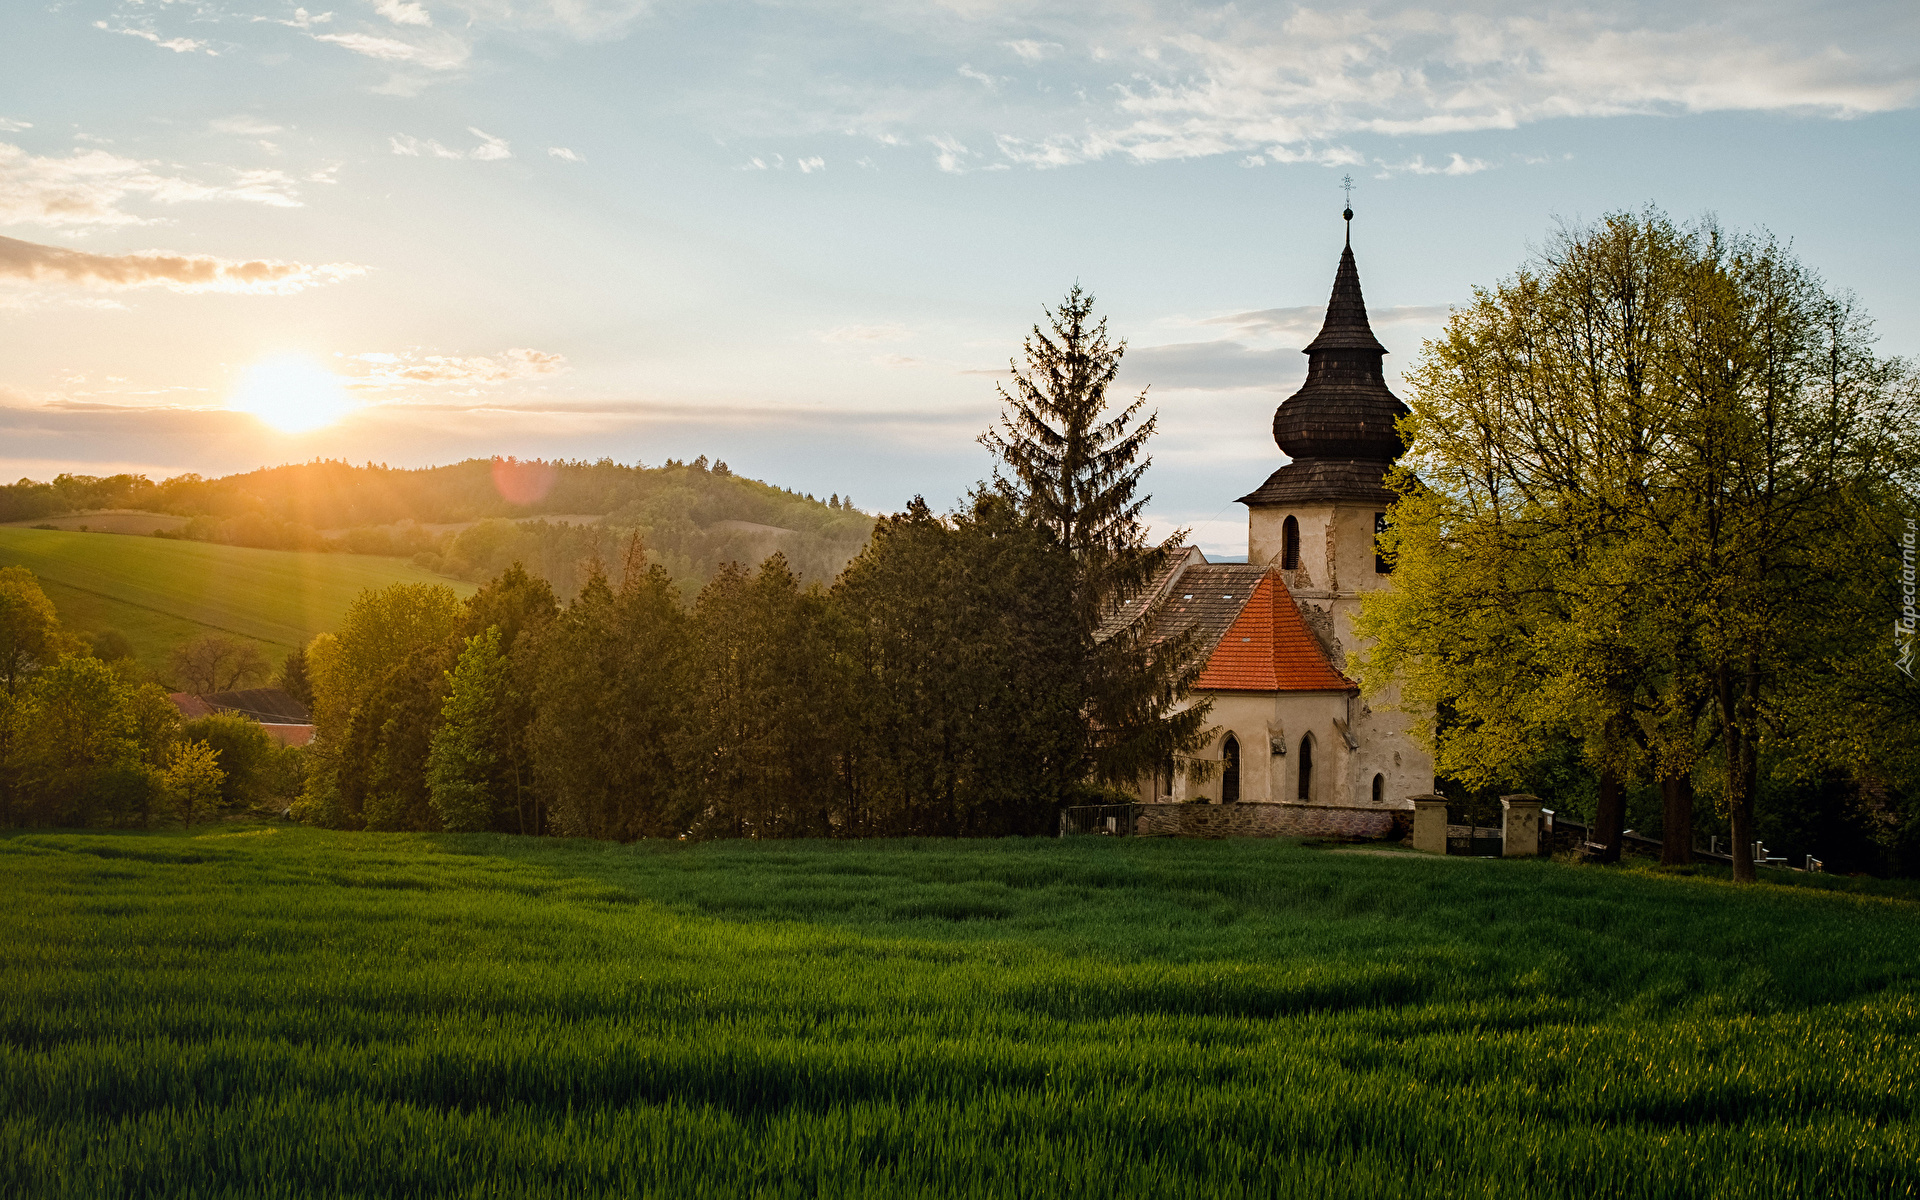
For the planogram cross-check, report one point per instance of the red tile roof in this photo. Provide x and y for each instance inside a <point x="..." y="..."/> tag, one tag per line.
<point x="1269" y="649"/>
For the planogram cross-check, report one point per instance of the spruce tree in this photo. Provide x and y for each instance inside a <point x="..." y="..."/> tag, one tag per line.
<point x="464" y="762"/>
<point x="1073" y="466"/>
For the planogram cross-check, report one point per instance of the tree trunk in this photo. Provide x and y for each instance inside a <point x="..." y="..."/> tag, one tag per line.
<point x="1740" y="806"/>
<point x="1610" y="817"/>
<point x="1741" y="812"/>
<point x="1676" y="820"/>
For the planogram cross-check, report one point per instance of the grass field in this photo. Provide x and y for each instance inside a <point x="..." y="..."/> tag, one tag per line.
<point x="160" y="592"/>
<point x="274" y="1011"/>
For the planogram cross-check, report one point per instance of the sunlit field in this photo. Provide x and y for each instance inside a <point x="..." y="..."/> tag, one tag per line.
<point x="273" y="1011"/>
<point x="160" y="592"/>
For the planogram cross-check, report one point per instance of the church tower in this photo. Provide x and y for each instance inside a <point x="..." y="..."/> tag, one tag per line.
<point x="1315" y="518"/>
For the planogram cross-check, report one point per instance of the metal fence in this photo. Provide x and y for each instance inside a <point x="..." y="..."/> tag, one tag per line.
<point x="1106" y="820"/>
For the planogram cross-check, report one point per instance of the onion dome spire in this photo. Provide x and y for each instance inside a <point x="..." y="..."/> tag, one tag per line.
<point x="1339" y="427"/>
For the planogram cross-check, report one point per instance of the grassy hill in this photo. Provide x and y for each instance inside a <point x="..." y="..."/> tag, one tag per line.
<point x="160" y="592"/>
<point x="694" y="517"/>
<point x="276" y="1011"/>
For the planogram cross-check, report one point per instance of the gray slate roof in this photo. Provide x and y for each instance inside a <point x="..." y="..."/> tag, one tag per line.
<point x="1207" y="597"/>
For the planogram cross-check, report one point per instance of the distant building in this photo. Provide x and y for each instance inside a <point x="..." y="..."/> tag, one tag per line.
<point x="286" y="720"/>
<point x="1291" y="727"/>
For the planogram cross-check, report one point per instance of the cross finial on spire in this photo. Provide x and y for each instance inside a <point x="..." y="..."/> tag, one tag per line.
<point x="1346" y="185"/>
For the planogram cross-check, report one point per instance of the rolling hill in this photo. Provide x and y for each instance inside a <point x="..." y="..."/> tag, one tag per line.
<point x="160" y="592"/>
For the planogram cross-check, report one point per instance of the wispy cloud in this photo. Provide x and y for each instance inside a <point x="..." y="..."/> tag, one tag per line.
<point x="1032" y="51"/>
<point x="565" y="155"/>
<point x="7" y="126"/>
<point x="179" y="45"/>
<point x="403" y="12"/>
<point x="301" y="19"/>
<point x="1211" y="366"/>
<point x="888" y="332"/>
<point x="34" y="263"/>
<point x="441" y="54"/>
<point x="89" y="188"/>
<point x="990" y="82"/>
<point x="1418" y="165"/>
<point x="410" y="367"/>
<point x="1157" y="81"/>
<point x="1303" y="321"/>
<point x="244" y="126"/>
<point x="585" y="20"/>
<point x="490" y="149"/>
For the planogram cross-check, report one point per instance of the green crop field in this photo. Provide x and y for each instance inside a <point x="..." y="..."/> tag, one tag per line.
<point x="275" y="1011"/>
<point x="160" y="592"/>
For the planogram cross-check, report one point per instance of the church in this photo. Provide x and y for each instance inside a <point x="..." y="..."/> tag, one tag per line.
<point x="1290" y="727"/>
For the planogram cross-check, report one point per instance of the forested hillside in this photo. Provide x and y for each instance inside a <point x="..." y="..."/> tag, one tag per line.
<point x="471" y="519"/>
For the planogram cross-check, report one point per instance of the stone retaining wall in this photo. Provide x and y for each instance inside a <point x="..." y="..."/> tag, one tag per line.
<point x="1262" y="819"/>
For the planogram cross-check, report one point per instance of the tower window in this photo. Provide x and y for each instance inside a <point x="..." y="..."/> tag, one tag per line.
<point x="1380" y="564"/>
<point x="1230" y="774"/>
<point x="1379" y="788"/>
<point x="1290" y="545"/>
<point x="1305" y="790"/>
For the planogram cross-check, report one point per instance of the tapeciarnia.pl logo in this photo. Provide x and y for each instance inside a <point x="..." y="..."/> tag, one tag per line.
<point x="1904" y="625"/>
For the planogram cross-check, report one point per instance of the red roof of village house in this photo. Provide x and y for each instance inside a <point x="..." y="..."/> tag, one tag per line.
<point x="1268" y="649"/>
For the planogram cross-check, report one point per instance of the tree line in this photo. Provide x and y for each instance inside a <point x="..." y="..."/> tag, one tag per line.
<point x="87" y="741"/>
<point x="951" y="681"/>
<point x="1650" y="524"/>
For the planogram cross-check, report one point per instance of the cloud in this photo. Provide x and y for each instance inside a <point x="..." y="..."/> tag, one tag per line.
<point x="33" y="263"/>
<point x="301" y="19"/>
<point x="1211" y="366"/>
<point x="585" y="20"/>
<point x="7" y="126"/>
<point x="985" y="80"/>
<point x="1417" y="165"/>
<point x="403" y="12"/>
<point x="244" y="126"/>
<point x="1033" y="51"/>
<point x="444" y="54"/>
<point x="1303" y="321"/>
<point x="565" y="155"/>
<point x="809" y="165"/>
<point x="88" y="188"/>
<point x="178" y="45"/>
<point x="951" y="156"/>
<point x="1157" y="81"/>
<point x="891" y="332"/>
<point x="394" y="370"/>
<point x="490" y="149"/>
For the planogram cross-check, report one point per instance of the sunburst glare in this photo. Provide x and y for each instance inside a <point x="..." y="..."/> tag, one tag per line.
<point x="292" y="394"/>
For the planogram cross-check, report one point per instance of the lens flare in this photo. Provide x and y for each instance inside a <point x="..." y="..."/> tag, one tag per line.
<point x="292" y="394"/>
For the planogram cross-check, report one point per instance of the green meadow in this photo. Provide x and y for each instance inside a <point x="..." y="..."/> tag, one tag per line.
<point x="276" y="1011"/>
<point x="160" y="592"/>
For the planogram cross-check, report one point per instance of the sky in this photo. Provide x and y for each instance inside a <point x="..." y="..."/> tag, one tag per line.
<point x="807" y="238"/>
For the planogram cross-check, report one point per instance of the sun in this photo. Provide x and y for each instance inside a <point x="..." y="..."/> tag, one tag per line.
<point x="292" y="394"/>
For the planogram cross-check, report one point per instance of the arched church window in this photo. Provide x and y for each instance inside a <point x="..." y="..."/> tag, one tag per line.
<point x="1290" y="545"/>
<point x="1230" y="773"/>
<point x="1306" y="767"/>
<point x="1379" y="788"/>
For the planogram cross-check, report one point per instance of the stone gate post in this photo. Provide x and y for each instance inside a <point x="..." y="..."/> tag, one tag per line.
<point x="1430" y="823"/>
<point x="1521" y="826"/>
